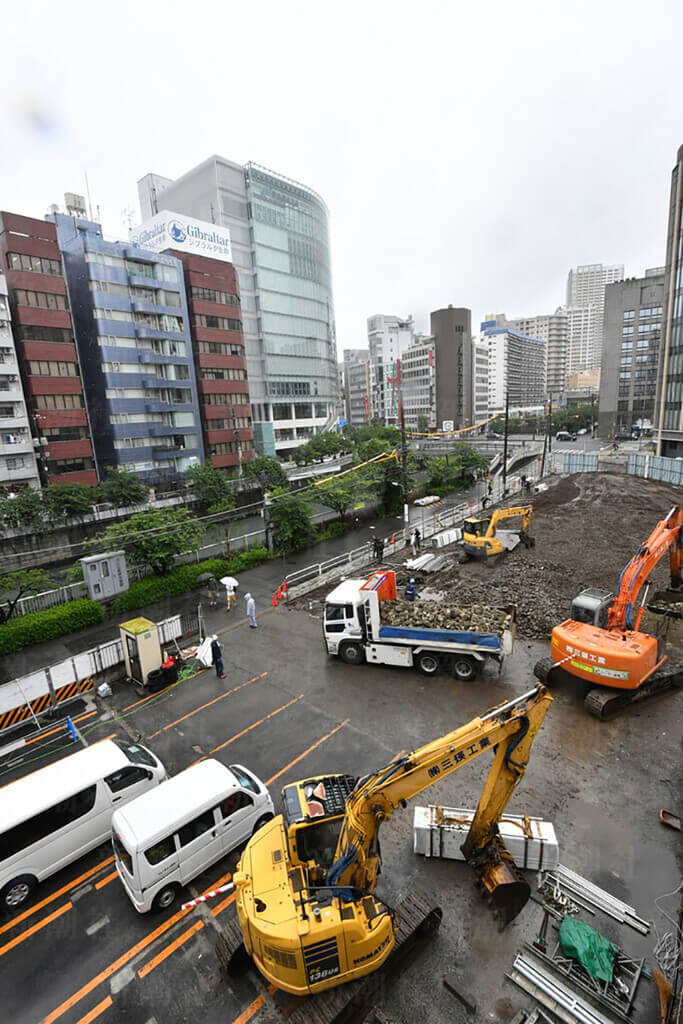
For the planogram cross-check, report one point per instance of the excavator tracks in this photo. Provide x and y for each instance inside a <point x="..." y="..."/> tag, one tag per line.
<point x="417" y="917"/>
<point x="604" y="702"/>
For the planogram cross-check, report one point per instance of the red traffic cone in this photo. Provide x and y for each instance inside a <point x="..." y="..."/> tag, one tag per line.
<point x="284" y="586"/>
<point x="392" y="538"/>
<point x="274" y="600"/>
<point x="279" y="593"/>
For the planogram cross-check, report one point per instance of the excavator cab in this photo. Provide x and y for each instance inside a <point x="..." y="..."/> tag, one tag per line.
<point x="591" y="606"/>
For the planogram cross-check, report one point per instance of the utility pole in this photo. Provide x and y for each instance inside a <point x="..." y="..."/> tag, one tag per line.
<point x="505" y="443"/>
<point x="592" y="414"/>
<point x="550" y="424"/>
<point x="404" y="448"/>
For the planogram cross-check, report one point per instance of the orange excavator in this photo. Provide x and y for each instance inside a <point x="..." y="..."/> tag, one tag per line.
<point x="601" y="642"/>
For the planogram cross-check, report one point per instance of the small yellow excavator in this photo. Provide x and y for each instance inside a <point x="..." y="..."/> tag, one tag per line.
<point x="481" y="537"/>
<point x="307" y="912"/>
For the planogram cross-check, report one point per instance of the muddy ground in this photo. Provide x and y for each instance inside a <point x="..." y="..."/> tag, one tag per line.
<point x="586" y="528"/>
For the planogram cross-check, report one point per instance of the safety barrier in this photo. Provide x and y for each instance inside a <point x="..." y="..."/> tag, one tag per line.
<point x="33" y="695"/>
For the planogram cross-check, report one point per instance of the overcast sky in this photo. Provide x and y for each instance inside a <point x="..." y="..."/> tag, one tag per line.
<point x="469" y="153"/>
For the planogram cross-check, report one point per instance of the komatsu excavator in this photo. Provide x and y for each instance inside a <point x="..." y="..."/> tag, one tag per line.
<point x="601" y="641"/>
<point x="307" y="912"/>
<point x="481" y="537"/>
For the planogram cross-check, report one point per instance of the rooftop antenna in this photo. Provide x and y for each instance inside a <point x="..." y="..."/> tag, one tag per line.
<point x="87" y="192"/>
<point x="128" y="215"/>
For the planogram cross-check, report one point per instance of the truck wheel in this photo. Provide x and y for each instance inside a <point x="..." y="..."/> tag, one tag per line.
<point x="352" y="654"/>
<point x="427" y="663"/>
<point x="17" y="891"/>
<point x="166" y="897"/>
<point x="464" y="668"/>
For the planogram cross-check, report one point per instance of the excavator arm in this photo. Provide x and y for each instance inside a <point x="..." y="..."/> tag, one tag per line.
<point x="666" y="536"/>
<point x="500" y="514"/>
<point x="508" y="731"/>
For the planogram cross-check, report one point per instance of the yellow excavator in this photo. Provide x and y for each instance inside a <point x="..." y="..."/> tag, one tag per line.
<point x="307" y="912"/>
<point x="481" y="537"/>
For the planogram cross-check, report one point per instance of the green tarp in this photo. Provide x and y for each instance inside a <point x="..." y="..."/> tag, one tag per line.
<point x="593" y="951"/>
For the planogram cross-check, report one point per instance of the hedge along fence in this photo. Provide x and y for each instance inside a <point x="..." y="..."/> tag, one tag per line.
<point x="37" y="627"/>
<point x="184" y="578"/>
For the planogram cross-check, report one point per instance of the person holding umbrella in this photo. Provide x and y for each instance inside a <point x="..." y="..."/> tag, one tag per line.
<point x="229" y="582"/>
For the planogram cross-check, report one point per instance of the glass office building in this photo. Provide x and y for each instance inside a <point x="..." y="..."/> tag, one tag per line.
<point x="280" y="247"/>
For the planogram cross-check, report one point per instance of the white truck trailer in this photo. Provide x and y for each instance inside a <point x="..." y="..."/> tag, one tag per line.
<point x="354" y="630"/>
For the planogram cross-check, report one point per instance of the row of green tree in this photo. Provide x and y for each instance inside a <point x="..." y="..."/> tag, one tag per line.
<point x="45" y="509"/>
<point x="577" y="418"/>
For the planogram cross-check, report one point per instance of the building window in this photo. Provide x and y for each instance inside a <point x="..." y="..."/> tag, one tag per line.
<point x="220" y="348"/>
<point x="629" y="314"/>
<point x="45" y="368"/>
<point x="65" y="433"/>
<point x="71" y="466"/>
<point x="36" y="264"/>
<point x="231" y="398"/>
<point x="211" y="295"/>
<point x="57" y="335"/>
<point x="626" y="330"/>
<point x="58" y="401"/>
<point x="222" y="323"/>
<point x="42" y="300"/>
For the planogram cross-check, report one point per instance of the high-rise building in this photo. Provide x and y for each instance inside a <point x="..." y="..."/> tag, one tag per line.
<point x="388" y="338"/>
<point x="452" y="331"/>
<point x="480" y="380"/>
<point x="280" y="248"/>
<point x="356" y="386"/>
<point x="669" y="398"/>
<point x="516" y="368"/>
<point x="585" y="313"/>
<point x="418" y="384"/>
<point x="630" y="353"/>
<point x="132" y="330"/>
<point x="18" y="466"/>
<point x="48" y="360"/>
<point x="215" y="320"/>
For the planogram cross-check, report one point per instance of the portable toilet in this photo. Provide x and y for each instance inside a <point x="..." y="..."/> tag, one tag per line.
<point x="141" y="648"/>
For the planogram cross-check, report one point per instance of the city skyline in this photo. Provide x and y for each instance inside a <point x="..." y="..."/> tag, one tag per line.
<point x="536" y="181"/>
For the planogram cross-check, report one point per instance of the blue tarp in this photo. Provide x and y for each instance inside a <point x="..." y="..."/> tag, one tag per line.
<point x="441" y="636"/>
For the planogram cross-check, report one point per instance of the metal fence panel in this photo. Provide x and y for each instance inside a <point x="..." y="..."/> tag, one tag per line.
<point x="19" y="691"/>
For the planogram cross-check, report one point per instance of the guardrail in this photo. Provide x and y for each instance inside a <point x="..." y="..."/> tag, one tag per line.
<point x="34" y="695"/>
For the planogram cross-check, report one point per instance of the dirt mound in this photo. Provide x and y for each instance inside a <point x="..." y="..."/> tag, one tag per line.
<point x="587" y="527"/>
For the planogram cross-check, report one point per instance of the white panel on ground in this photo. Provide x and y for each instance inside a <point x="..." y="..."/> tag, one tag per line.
<point x="531" y="841"/>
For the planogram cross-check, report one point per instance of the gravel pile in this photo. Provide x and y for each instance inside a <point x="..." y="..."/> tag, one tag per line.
<point x="437" y="615"/>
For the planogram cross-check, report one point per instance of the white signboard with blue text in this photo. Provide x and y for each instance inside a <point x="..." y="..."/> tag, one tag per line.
<point x="175" y="231"/>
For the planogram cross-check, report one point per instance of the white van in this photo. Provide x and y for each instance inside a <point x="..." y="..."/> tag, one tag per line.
<point x="166" y="838"/>
<point x="56" y="814"/>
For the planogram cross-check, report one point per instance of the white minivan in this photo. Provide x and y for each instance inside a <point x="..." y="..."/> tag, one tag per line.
<point x="166" y="838"/>
<point x="56" y="814"/>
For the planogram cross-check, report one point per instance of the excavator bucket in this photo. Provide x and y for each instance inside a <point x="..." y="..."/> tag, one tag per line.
<point x="501" y="884"/>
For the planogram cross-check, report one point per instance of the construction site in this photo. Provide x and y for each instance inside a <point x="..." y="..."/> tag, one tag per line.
<point x="531" y="864"/>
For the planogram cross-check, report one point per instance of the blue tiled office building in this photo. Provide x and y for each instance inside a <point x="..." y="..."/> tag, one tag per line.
<point x="132" y="331"/>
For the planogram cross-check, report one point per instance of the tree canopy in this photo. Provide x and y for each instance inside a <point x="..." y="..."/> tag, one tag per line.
<point x="153" y="537"/>
<point x="290" y="521"/>
<point x="267" y="470"/>
<point x="212" y="488"/>
<point x="123" y="489"/>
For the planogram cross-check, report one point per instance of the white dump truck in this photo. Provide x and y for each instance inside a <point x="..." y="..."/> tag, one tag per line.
<point x="365" y="623"/>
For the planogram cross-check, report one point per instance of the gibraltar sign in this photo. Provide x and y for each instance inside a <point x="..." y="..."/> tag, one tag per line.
<point x="175" y="231"/>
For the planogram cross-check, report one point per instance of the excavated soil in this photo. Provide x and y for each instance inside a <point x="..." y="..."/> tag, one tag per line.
<point x="586" y="527"/>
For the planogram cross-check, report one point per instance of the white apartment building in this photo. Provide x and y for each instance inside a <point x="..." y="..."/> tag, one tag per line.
<point x="586" y="310"/>
<point x="418" y="383"/>
<point x="356" y="390"/>
<point x="18" y="466"/>
<point x="552" y="328"/>
<point x="480" y="379"/>
<point x="516" y="367"/>
<point x="388" y="338"/>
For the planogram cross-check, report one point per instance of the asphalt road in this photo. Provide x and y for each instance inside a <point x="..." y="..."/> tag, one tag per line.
<point x="81" y="953"/>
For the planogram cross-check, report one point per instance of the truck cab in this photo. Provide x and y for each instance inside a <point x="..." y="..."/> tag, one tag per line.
<point x="345" y="616"/>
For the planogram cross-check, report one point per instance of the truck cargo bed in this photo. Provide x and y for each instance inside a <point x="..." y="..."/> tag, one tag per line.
<point x="489" y="640"/>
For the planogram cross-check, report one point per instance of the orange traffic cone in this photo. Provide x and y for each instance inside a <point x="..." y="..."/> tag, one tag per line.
<point x="279" y="593"/>
<point x="284" y="587"/>
<point x="274" y="600"/>
<point x="392" y="538"/>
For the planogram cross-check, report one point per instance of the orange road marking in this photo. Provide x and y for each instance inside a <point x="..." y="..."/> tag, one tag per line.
<point x="113" y="967"/>
<point x="225" y="903"/>
<point x="207" y="705"/>
<point x="22" y="936"/>
<point x="160" y="957"/>
<point x="250" y="1010"/>
<point x="254" y="724"/>
<point x="55" y="895"/>
<point x="35" y="739"/>
<point x="96" y="1011"/>
<point x="308" y="751"/>
<point x="106" y="880"/>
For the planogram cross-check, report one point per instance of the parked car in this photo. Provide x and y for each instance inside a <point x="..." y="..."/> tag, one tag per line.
<point x="564" y="435"/>
<point x="584" y="430"/>
<point x="623" y="435"/>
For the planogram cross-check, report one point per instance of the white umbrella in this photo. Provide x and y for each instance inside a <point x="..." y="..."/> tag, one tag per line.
<point x="229" y="581"/>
